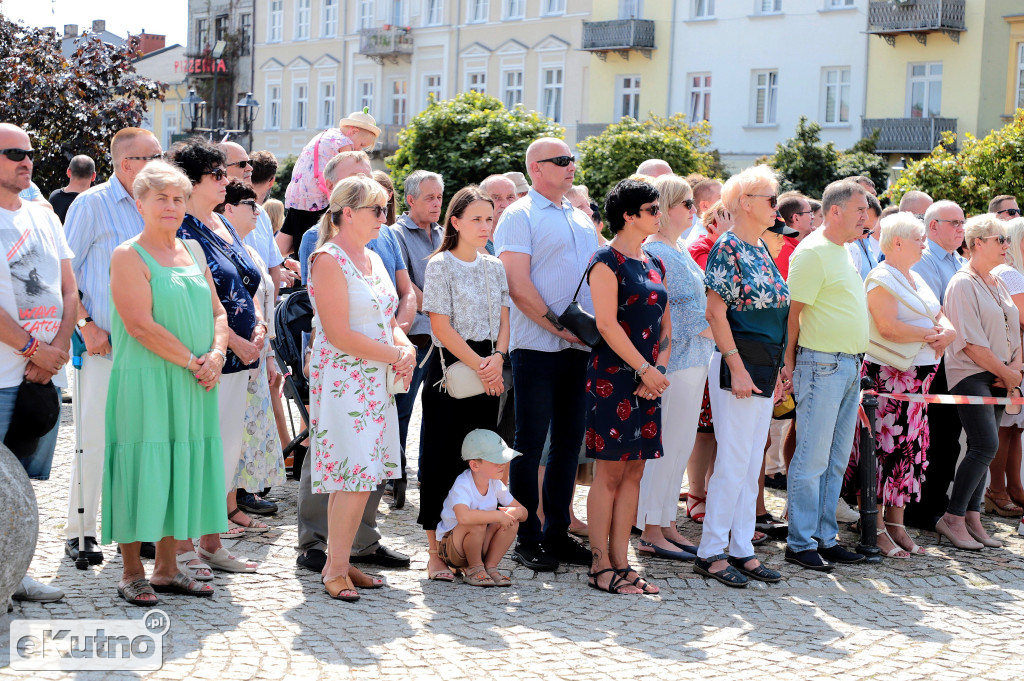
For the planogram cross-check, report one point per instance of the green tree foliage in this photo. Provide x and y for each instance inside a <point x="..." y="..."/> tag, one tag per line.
<point x="621" y="147"/>
<point x="283" y="177"/>
<point x="807" y="165"/>
<point x="69" y="106"/>
<point x="983" y="168"/>
<point x="465" y="139"/>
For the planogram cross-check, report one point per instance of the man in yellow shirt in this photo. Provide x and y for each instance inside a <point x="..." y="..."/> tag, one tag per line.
<point x="828" y="335"/>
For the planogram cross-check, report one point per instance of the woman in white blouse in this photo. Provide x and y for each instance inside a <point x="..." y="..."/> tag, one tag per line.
<point x="466" y="294"/>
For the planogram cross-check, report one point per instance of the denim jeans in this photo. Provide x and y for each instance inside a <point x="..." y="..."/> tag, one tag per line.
<point x="550" y="390"/>
<point x="38" y="464"/>
<point x="827" y="391"/>
<point x="982" y="425"/>
<point x="404" y="403"/>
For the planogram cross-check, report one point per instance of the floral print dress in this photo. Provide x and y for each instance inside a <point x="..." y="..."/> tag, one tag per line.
<point x="622" y="426"/>
<point x="353" y="421"/>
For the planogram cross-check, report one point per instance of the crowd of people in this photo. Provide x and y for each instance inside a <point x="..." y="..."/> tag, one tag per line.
<point x="685" y="327"/>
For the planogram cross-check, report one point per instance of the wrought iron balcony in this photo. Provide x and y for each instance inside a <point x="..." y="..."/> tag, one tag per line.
<point x="907" y="135"/>
<point x="386" y="42"/>
<point x="889" y="18"/>
<point x="387" y="143"/>
<point x="620" y="36"/>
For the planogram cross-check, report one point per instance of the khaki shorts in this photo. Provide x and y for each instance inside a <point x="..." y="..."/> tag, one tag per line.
<point x="447" y="552"/>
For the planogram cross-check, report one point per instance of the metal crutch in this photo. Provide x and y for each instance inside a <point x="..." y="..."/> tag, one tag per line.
<point x="78" y="349"/>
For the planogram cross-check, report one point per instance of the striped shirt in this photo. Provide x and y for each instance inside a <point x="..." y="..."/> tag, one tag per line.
<point x="937" y="266"/>
<point x="560" y="241"/>
<point x="100" y="219"/>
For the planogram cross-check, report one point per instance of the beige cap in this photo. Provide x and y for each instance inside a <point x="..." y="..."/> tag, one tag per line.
<point x="519" y="180"/>
<point x="361" y="119"/>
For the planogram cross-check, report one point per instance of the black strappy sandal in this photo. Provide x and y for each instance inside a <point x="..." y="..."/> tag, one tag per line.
<point x="639" y="582"/>
<point x="615" y="584"/>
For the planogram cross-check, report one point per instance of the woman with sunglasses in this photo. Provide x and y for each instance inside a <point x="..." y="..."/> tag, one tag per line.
<point x="262" y="462"/>
<point x="466" y="294"/>
<point x="356" y="344"/>
<point x="985" y="360"/>
<point x="236" y="279"/>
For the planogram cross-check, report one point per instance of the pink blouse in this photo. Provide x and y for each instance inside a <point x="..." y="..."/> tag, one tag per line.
<point x="308" y="188"/>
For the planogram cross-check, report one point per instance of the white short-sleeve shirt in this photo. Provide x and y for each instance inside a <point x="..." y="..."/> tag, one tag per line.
<point x="464" y="491"/>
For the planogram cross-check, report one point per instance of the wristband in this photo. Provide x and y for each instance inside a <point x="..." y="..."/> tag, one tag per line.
<point x="28" y="346"/>
<point x="730" y="353"/>
<point x="190" y="358"/>
<point x="33" y="350"/>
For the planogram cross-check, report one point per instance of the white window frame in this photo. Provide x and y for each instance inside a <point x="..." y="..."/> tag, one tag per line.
<point x="699" y="99"/>
<point x="837" y="91"/>
<point x="170" y="126"/>
<point x="556" y="109"/>
<point x="202" y="33"/>
<point x="273" y="104"/>
<point x="275" y="21"/>
<point x="1020" y="75"/>
<point x="399" y="15"/>
<point x="552" y="7"/>
<point x="364" y="95"/>
<point x="702" y="9"/>
<point x="767" y="7"/>
<point x="840" y="4"/>
<point x="329" y="18"/>
<point x="365" y="15"/>
<point x="513" y="9"/>
<point x="477" y="11"/>
<point x="398" y="100"/>
<point x="507" y="89"/>
<point x="622" y="91"/>
<point x="770" y="115"/>
<point x="300" y="105"/>
<point x="476" y="80"/>
<point x="303" y="19"/>
<point x="435" y="88"/>
<point x="929" y="81"/>
<point x="631" y="9"/>
<point x="326" y="103"/>
<point x="433" y="12"/>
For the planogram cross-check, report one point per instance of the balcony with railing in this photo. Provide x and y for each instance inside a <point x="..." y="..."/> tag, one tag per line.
<point x="890" y="18"/>
<point x="620" y="36"/>
<point x="907" y="135"/>
<point x="387" y="143"/>
<point x="385" y="42"/>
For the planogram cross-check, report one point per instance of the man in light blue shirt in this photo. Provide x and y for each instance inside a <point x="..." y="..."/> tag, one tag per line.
<point x="546" y="245"/>
<point x="99" y="220"/>
<point x="944" y="221"/>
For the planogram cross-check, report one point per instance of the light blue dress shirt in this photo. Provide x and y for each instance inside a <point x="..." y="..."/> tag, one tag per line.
<point x="261" y="238"/>
<point x="31" y="193"/>
<point x="936" y="266"/>
<point x="385" y="245"/>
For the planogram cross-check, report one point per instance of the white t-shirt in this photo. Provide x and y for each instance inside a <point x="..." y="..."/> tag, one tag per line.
<point x="464" y="491"/>
<point x="30" y="281"/>
<point x="913" y="314"/>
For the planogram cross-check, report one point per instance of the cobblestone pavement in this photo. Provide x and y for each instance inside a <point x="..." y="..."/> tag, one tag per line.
<point x="950" y="615"/>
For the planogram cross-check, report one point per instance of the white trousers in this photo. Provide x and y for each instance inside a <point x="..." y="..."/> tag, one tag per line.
<point x="92" y="428"/>
<point x="680" y="410"/>
<point x="741" y="428"/>
<point x="775" y="462"/>
<point x="231" y="403"/>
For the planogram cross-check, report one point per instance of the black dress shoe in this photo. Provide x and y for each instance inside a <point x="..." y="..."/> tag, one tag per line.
<point x="313" y="560"/>
<point x="251" y="503"/>
<point x="809" y="560"/>
<point x="384" y="557"/>
<point x="777" y="481"/>
<point x="532" y="555"/>
<point x="565" y="549"/>
<point x="91" y="550"/>
<point x="837" y="554"/>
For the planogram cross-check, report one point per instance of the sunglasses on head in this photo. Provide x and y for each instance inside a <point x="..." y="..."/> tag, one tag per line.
<point x="18" y="155"/>
<point x="773" y="200"/>
<point x="561" y="161"/>
<point x="1002" y="239"/>
<point x="240" y="164"/>
<point x="652" y="210"/>
<point x="218" y="173"/>
<point x="154" y="157"/>
<point x="1009" y="211"/>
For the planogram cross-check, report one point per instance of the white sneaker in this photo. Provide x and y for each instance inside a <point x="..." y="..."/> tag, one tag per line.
<point x="31" y="590"/>
<point x="845" y="514"/>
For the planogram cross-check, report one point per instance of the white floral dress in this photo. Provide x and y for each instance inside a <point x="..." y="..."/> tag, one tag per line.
<point x="353" y="421"/>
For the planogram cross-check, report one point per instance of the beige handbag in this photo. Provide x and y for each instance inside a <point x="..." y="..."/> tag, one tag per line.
<point x="899" y="356"/>
<point x="460" y="380"/>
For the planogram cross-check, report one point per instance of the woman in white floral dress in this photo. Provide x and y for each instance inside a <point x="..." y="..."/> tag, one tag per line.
<point x="353" y="422"/>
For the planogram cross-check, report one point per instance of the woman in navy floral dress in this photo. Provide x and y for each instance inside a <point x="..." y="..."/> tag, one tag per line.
<point x="625" y="380"/>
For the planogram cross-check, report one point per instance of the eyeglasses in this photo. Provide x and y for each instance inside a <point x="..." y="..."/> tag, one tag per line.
<point x="380" y="211"/>
<point x="18" y="155"/>
<point x="919" y="216"/>
<point x="218" y="173"/>
<point x="1002" y="239"/>
<point x="955" y="223"/>
<point x="240" y="164"/>
<point x="773" y="200"/>
<point x="561" y="161"/>
<point x="251" y="203"/>
<point x="804" y="212"/>
<point x="1009" y="211"/>
<point x="652" y="210"/>
<point x="154" y="157"/>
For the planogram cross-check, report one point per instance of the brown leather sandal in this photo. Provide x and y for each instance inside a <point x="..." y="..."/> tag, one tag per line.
<point x="341" y="588"/>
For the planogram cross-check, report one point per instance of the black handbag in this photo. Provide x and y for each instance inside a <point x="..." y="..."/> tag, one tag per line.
<point x="578" y="321"/>
<point x="763" y="361"/>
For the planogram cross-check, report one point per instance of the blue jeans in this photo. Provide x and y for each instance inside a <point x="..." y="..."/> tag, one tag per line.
<point x="827" y="391"/>
<point x="550" y="389"/>
<point x="404" y="403"/>
<point x="38" y="464"/>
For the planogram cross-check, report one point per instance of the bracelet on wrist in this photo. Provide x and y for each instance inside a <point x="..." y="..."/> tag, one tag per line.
<point x="642" y="370"/>
<point x="218" y="351"/>
<point x="190" y="358"/>
<point x="33" y="348"/>
<point x="730" y="353"/>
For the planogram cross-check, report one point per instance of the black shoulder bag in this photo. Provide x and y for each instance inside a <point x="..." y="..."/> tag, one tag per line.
<point x="580" y="322"/>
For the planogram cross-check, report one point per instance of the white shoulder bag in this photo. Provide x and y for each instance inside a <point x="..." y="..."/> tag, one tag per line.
<point x="460" y="380"/>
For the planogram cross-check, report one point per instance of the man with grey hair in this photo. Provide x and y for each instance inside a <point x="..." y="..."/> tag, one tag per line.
<point x="917" y="203"/>
<point x="944" y="225"/>
<point x="81" y="174"/>
<point x="828" y="335"/>
<point x="546" y="245"/>
<point x="654" y="167"/>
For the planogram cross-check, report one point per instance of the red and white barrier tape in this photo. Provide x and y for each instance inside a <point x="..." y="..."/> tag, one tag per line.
<point x="946" y="399"/>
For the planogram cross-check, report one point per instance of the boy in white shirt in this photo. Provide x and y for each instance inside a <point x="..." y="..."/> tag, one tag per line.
<point x="475" y="531"/>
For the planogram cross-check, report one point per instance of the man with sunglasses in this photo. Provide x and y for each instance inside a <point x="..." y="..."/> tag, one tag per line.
<point x="1004" y="206"/>
<point x="98" y="221"/>
<point x="546" y="245"/>
<point x="37" y="316"/>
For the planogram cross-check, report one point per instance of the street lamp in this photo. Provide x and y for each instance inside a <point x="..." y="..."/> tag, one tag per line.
<point x="192" y="108"/>
<point x="248" y="109"/>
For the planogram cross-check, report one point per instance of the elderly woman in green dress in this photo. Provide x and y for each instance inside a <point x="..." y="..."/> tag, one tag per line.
<point x="163" y="473"/>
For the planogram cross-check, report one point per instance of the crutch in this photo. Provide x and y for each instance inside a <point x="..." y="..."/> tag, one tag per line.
<point x="77" y="350"/>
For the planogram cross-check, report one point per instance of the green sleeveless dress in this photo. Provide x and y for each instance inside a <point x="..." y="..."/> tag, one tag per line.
<point x="163" y="470"/>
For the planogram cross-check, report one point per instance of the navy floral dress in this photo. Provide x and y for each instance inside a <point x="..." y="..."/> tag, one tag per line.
<point x="235" y="277"/>
<point x="620" y="425"/>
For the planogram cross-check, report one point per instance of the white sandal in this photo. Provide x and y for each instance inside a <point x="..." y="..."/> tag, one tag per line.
<point x="896" y="550"/>
<point x="192" y="571"/>
<point x="221" y="559"/>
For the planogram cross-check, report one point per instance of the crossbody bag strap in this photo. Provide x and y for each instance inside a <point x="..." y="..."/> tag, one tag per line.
<point x="898" y="297"/>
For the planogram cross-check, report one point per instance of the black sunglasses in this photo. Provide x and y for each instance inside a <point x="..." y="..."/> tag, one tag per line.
<point x="1003" y="240"/>
<point x="689" y="204"/>
<point x="240" y="164"/>
<point x="18" y="155"/>
<point x="561" y="161"/>
<point x="1009" y="211"/>
<point x="218" y="173"/>
<point x="652" y="210"/>
<point x="251" y="203"/>
<point x="154" y="157"/>
<point x="381" y="211"/>
<point x="773" y="200"/>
